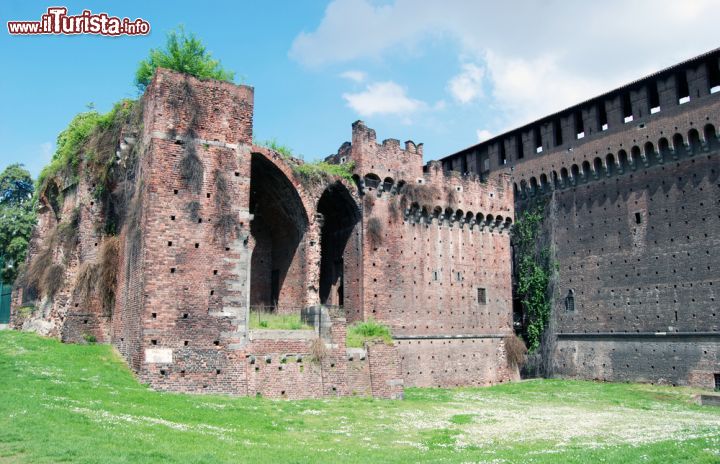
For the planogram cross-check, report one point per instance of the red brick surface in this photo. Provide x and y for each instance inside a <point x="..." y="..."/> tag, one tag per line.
<point x="185" y="286"/>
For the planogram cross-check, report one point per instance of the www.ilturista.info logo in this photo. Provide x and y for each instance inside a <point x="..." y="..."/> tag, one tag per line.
<point x="57" y="21"/>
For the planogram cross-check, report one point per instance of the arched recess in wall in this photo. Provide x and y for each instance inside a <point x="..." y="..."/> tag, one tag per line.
<point x="610" y="163"/>
<point x="664" y="148"/>
<point x="388" y="184"/>
<point x="597" y="163"/>
<point x="710" y="136"/>
<point x="650" y="155"/>
<point x="554" y="179"/>
<point x="337" y="259"/>
<point x="564" y="177"/>
<point x="372" y="180"/>
<point x="543" y="182"/>
<point x="694" y="141"/>
<point x="678" y="144"/>
<point x="575" y="171"/>
<point x="279" y="223"/>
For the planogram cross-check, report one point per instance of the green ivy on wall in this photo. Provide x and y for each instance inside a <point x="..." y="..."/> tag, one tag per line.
<point x="534" y="269"/>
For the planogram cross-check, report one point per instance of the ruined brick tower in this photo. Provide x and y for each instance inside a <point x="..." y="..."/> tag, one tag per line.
<point x="217" y="226"/>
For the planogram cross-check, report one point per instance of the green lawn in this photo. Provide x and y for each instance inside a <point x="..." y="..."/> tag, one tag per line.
<point x="72" y="403"/>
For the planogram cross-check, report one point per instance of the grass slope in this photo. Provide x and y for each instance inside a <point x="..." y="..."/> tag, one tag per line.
<point x="72" y="403"/>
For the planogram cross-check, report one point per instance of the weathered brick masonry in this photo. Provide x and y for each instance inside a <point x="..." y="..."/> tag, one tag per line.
<point x="633" y="218"/>
<point x="216" y="225"/>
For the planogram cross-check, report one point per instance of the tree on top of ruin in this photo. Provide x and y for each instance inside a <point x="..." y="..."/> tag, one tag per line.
<point x="184" y="53"/>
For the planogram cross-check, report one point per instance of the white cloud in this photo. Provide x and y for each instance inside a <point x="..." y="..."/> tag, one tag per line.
<point x="467" y="86"/>
<point x="46" y="151"/>
<point x="383" y="98"/>
<point x="355" y="76"/>
<point x="483" y="134"/>
<point x="585" y="47"/>
<point x="527" y="89"/>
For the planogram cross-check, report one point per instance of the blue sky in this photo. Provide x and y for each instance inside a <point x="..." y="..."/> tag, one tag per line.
<point x="447" y="73"/>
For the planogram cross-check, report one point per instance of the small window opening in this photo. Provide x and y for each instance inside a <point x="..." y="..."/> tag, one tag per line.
<point x="502" y="156"/>
<point x="482" y="296"/>
<point x="537" y="137"/>
<point x="638" y="218"/>
<point x="654" y="98"/>
<point x="557" y="128"/>
<point x="602" y="116"/>
<point x="436" y="275"/>
<point x="713" y="75"/>
<point x="570" y="300"/>
<point x="519" y="145"/>
<point x="626" y="105"/>
<point x="579" y="125"/>
<point x="717" y="382"/>
<point x="154" y="315"/>
<point x="458" y="276"/>
<point x="683" y="89"/>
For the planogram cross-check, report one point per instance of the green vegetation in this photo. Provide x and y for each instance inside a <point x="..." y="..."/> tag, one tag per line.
<point x="184" y="53"/>
<point x="370" y="330"/>
<point x="17" y="218"/>
<point x="268" y="320"/>
<point x="25" y="311"/>
<point x="66" y="160"/>
<point x="79" y="403"/>
<point x="320" y="170"/>
<point x="533" y="273"/>
<point x="310" y="173"/>
<point x="276" y="146"/>
<point x="83" y="139"/>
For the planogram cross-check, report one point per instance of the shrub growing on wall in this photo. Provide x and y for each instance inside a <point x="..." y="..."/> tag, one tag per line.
<point x="184" y="53"/>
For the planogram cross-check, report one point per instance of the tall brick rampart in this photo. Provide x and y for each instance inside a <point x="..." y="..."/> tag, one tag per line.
<point x="630" y="184"/>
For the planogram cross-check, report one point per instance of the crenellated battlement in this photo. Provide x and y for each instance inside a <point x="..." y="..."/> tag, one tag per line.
<point x="386" y="160"/>
<point x="669" y="93"/>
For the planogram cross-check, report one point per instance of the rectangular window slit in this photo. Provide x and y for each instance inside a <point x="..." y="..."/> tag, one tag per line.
<point x="482" y="296"/>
